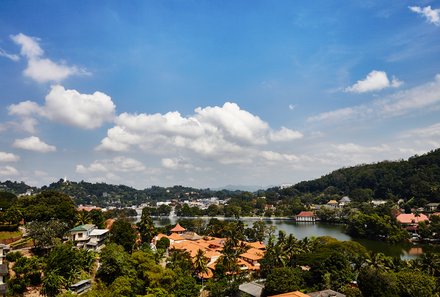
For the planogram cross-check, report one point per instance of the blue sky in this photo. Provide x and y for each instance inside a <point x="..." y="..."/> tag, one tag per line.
<point x="211" y="93"/>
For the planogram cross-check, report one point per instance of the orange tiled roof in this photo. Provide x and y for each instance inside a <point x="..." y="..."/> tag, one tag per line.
<point x="291" y="294"/>
<point x="410" y="218"/>
<point x="306" y="214"/>
<point x="178" y="228"/>
<point x="256" y="245"/>
<point x="175" y="237"/>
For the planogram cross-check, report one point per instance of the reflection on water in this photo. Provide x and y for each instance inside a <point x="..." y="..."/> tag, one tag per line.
<point x="302" y="230"/>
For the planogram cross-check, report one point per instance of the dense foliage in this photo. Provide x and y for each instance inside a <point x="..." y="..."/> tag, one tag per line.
<point x="418" y="177"/>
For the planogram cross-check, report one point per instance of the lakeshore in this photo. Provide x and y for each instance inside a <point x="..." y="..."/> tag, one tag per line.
<point x="301" y="230"/>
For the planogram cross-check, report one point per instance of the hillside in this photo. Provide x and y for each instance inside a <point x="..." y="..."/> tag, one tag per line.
<point x="417" y="178"/>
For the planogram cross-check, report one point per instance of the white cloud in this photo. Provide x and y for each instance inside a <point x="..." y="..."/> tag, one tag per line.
<point x="285" y="134"/>
<point x="39" y="68"/>
<point x="211" y="131"/>
<point x="8" y="171"/>
<point x="431" y="15"/>
<point x="275" y="156"/>
<point x="70" y="107"/>
<point x="8" y="157"/>
<point x="176" y="163"/>
<point x="375" y="81"/>
<point x="292" y="106"/>
<point x="117" y="164"/>
<point x="33" y="143"/>
<point x="87" y="111"/>
<point x="338" y="114"/>
<point x="424" y="132"/>
<point x="25" y="108"/>
<point x="12" y="57"/>
<point x="416" y="98"/>
<point x="398" y="104"/>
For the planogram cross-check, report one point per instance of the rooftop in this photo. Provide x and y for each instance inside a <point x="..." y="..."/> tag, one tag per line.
<point x="178" y="228"/>
<point x="85" y="227"/>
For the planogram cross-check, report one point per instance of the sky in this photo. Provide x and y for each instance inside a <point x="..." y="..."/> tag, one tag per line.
<point x="214" y="93"/>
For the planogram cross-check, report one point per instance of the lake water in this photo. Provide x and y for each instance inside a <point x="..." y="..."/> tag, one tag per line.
<point x="302" y="230"/>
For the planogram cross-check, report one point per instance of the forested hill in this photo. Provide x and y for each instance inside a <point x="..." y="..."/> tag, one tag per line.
<point x="417" y="178"/>
<point x="102" y="194"/>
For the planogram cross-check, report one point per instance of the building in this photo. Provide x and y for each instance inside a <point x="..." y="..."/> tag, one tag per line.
<point x="432" y="207"/>
<point x="411" y="221"/>
<point x="178" y="229"/>
<point x="333" y="203"/>
<point x="4" y="249"/>
<point x="88" y="236"/>
<point x="344" y="201"/>
<point x="291" y="294"/>
<point x="324" y="293"/>
<point x="306" y="216"/>
<point x="191" y="242"/>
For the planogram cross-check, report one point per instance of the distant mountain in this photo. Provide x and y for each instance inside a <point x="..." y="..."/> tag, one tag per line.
<point x="240" y="188"/>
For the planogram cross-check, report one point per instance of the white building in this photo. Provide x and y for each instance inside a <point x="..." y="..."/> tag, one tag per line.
<point x="88" y="236"/>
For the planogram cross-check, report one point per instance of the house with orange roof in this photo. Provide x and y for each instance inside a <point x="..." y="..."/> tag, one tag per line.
<point x="178" y="229"/>
<point x="291" y="294"/>
<point x="306" y="216"/>
<point x="411" y="221"/>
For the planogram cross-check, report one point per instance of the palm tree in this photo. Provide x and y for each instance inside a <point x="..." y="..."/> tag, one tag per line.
<point x="200" y="264"/>
<point x="83" y="217"/>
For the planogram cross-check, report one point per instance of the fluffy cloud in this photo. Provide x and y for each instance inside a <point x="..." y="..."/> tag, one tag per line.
<point x="87" y="111"/>
<point x="8" y="171"/>
<point x="39" y="68"/>
<point x="220" y="133"/>
<point x="33" y="143"/>
<point x="398" y="104"/>
<point x="375" y="81"/>
<point x="176" y="163"/>
<point x="431" y="15"/>
<point x="117" y="164"/>
<point x="285" y="134"/>
<point x="12" y="57"/>
<point x="8" y="157"/>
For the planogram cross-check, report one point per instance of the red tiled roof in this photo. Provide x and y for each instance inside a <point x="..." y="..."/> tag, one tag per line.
<point x="175" y="237"/>
<point x="306" y="214"/>
<point x="410" y="218"/>
<point x="291" y="294"/>
<point x="178" y="228"/>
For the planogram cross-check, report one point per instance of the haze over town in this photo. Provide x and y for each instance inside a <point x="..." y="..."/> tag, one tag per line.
<point x="207" y="94"/>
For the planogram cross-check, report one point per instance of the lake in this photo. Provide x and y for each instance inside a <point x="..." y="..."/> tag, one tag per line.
<point x="302" y="230"/>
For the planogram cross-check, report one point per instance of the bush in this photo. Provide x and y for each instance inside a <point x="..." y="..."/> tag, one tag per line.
<point x="13" y="256"/>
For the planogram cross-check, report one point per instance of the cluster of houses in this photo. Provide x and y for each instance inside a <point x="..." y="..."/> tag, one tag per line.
<point x="181" y="239"/>
<point x="408" y="221"/>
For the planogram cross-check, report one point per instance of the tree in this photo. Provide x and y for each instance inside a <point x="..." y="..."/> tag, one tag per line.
<point x="415" y="283"/>
<point x="7" y="200"/>
<point x="46" y="206"/>
<point x="122" y="233"/>
<point x="52" y="284"/>
<point x="45" y="234"/>
<point x="146" y="227"/>
<point x="282" y="280"/>
<point x="376" y="283"/>
<point x="200" y="264"/>
<point x="114" y="263"/>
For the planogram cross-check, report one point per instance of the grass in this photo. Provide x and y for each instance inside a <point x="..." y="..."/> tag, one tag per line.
<point x="8" y="234"/>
